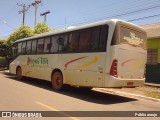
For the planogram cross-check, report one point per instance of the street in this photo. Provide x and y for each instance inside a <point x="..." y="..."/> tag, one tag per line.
<point x="37" y="95"/>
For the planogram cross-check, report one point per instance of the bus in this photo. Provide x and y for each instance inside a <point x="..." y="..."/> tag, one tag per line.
<point x="109" y="53"/>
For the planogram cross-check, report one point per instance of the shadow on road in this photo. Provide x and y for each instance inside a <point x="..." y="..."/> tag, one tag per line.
<point x="86" y="95"/>
<point x="3" y="68"/>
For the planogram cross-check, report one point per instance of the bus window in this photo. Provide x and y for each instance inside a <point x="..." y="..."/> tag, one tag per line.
<point x="47" y="45"/>
<point x="40" y="46"/>
<point x="95" y="38"/>
<point x="23" y="47"/>
<point x="63" y="43"/>
<point x="103" y="38"/>
<point x="28" y="48"/>
<point x="34" y="44"/>
<point x="14" y="50"/>
<point x="132" y="37"/>
<point x="84" y="40"/>
<point x="19" y="48"/>
<point x="73" y="41"/>
<point x="54" y="41"/>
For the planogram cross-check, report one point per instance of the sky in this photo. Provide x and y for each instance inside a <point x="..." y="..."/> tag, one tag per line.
<point x="66" y="13"/>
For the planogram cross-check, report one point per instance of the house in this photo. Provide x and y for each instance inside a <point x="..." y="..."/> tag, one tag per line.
<point x="153" y="53"/>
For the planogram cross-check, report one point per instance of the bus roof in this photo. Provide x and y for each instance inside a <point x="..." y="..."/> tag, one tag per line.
<point x="73" y="28"/>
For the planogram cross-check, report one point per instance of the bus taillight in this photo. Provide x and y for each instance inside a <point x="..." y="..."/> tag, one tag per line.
<point x="113" y="70"/>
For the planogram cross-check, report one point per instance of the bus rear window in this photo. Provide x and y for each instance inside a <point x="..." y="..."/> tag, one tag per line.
<point x="132" y="37"/>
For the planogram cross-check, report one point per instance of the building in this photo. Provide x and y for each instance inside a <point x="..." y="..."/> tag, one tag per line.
<point x="153" y="53"/>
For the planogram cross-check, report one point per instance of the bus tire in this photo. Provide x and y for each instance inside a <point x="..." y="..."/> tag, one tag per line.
<point x="57" y="80"/>
<point x="19" y="73"/>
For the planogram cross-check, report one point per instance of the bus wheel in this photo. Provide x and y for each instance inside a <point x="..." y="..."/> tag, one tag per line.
<point x="57" y="80"/>
<point x="19" y="73"/>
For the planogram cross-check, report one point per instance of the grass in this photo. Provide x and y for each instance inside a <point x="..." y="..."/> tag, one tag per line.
<point x="153" y="94"/>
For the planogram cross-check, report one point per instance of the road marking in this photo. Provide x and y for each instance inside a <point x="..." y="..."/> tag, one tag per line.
<point x="62" y="113"/>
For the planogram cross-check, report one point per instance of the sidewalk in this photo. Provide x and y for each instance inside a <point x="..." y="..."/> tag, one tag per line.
<point x="144" y="92"/>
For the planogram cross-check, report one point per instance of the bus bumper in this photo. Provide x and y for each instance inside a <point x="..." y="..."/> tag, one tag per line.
<point x="118" y="82"/>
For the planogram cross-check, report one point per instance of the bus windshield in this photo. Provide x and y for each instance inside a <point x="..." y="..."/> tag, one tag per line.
<point x="132" y="37"/>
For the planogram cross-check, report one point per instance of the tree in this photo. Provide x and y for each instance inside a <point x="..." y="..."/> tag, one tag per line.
<point x="41" y="28"/>
<point x="21" y="32"/>
<point x="5" y="50"/>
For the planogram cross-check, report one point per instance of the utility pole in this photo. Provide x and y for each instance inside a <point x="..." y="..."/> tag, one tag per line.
<point x="45" y="15"/>
<point x="23" y="10"/>
<point x="35" y="4"/>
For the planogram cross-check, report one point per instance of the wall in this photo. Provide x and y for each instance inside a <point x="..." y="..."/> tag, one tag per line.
<point x="154" y="44"/>
<point x="153" y="71"/>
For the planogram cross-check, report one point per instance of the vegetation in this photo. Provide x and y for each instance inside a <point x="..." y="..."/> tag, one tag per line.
<point x="25" y="31"/>
<point x="41" y="28"/>
<point x="22" y="32"/>
<point x="153" y="94"/>
<point x="5" y="50"/>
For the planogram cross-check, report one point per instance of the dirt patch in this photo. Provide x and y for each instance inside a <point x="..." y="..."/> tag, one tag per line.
<point x="149" y="91"/>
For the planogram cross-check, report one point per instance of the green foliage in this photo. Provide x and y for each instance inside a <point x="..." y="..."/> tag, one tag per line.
<point x="41" y="28"/>
<point x="22" y="32"/>
<point x="5" y="50"/>
<point x="153" y="94"/>
<point x="25" y="31"/>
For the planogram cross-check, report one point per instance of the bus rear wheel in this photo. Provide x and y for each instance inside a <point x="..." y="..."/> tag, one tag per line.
<point x="57" y="80"/>
<point x="19" y="73"/>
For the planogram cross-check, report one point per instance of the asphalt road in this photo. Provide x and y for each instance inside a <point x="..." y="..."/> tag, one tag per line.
<point x="37" y="95"/>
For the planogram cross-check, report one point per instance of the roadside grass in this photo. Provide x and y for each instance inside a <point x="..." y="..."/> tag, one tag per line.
<point x="153" y="94"/>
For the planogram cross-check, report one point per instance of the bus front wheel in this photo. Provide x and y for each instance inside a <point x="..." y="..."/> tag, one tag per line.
<point x="57" y="80"/>
<point x="19" y="73"/>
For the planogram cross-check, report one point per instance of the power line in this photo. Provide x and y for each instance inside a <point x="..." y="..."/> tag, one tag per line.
<point x="8" y="25"/>
<point x="143" y="18"/>
<point x="131" y="20"/>
<point x="124" y="14"/>
<point x="137" y="4"/>
<point x="116" y="7"/>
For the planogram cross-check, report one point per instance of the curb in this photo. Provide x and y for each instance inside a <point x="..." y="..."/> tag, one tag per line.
<point x="126" y="94"/>
<point x="152" y="84"/>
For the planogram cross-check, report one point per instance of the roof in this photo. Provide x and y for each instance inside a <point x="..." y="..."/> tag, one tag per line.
<point x="110" y="22"/>
<point x="153" y="30"/>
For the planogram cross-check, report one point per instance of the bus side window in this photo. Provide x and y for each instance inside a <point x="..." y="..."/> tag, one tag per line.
<point x="95" y="38"/>
<point x="63" y="43"/>
<point x="84" y="40"/>
<point x="47" y="45"/>
<point x="73" y="41"/>
<point x="19" y="48"/>
<point x="23" y="48"/>
<point x="34" y="44"/>
<point x="54" y="47"/>
<point x="103" y="38"/>
<point x="28" y="48"/>
<point x="14" y="50"/>
<point x="40" y="45"/>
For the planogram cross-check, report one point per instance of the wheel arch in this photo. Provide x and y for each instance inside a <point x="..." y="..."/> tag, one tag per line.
<point x="18" y="67"/>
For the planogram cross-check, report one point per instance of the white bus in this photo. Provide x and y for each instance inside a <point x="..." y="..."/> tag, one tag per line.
<point x="110" y="53"/>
